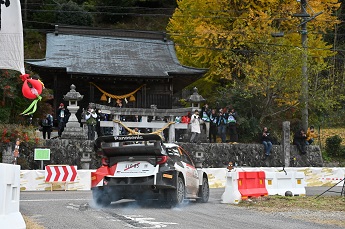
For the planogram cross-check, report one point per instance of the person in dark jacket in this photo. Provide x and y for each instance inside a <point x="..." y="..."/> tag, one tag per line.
<point x="221" y="124"/>
<point x="213" y="126"/>
<point x="62" y="117"/>
<point x="232" y="125"/>
<point x="300" y="141"/>
<point x="266" y="141"/>
<point x="47" y="125"/>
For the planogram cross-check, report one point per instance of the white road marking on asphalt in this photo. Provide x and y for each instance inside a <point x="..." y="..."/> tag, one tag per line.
<point x="48" y="200"/>
<point x="141" y="219"/>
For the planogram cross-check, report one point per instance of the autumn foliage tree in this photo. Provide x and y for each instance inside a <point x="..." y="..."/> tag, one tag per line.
<point x="246" y="64"/>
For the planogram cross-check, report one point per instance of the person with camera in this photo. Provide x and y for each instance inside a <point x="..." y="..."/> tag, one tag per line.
<point x="91" y="121"/>
<point x="195" y="127"/>
<point x="300" y="140"/>
<point x="232" y="125"/>
<point x="221" y="124"/>
<point x="205" y="119"/>
<point x="47" y="125"/>
<point x="266" y="141"/>
<point x="62" y="118"/>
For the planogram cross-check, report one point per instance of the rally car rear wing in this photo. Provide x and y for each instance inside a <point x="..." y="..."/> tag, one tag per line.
<point x="146" y="144"/>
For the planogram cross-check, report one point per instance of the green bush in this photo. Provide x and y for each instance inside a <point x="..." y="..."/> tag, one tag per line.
<point x="333" y="147"/>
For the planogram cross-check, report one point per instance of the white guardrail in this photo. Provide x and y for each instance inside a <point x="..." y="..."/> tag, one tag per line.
<point x="10" y="217"/>
<point x="34" y="180"/>
<point x="13" y="180"/>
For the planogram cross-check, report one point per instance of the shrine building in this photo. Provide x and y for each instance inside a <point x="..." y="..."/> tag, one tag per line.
<point x="139" y="68"/>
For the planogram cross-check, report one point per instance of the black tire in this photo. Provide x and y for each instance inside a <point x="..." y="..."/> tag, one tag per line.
<point x="204" y="192"/>
<point x="100" y="197"/>
<point x="176" y="196"/>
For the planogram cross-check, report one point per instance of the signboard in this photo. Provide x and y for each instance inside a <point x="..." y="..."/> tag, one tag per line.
<point x="42" y="154"/>
<point x="60" y="173"/>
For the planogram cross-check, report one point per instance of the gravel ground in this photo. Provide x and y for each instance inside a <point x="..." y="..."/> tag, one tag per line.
<point x="336" y="218"/>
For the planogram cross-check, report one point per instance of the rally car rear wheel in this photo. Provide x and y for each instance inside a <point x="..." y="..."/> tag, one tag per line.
<point x="177" y="196"/>
<point x="204" y="192"/>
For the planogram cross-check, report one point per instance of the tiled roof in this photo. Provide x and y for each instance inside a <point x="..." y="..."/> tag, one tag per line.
<point x="118" y="56"/>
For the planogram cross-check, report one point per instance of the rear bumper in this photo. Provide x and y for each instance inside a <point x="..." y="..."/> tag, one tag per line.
<point x="132" y="187"/>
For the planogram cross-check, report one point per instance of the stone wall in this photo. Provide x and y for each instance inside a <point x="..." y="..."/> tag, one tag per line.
<point x="218" y="155"/>
<point x="214" y="155"/>
<point x="62" y="152"/>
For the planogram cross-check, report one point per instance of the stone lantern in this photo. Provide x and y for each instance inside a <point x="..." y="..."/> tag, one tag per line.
<point x="73" y="129"/>
<point x="195" y="98"/>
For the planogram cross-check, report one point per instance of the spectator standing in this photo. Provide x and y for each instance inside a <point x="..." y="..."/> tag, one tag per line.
<point x="195" y="127"/>
<point x="91" y="121"/>
<point x="213" y="126"/>
<point x="266" y="141"/>
<point x="311" y="135"/>
<point x="47" y="125"/>
<point x="63" y="116"/>
<point x="232" y="122"/>
<point x="221" y="125"/>
<point x="300" y="141"/>
<point x="205" y="117"/>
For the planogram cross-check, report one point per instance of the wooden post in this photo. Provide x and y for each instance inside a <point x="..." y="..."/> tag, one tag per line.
<point x="286" y="143"/>
<point x="116" y="128"/>
<point x="172" y="129"/>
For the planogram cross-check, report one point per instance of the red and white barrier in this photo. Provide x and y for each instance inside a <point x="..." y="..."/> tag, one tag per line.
<point x="60" y="174"/>
<point x="253" y="182"/>
<point x="242" y="184"/>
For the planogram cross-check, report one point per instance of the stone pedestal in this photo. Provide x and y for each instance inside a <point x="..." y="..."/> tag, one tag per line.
<point x="7" y="154"/>
<point x="85" y="160"/>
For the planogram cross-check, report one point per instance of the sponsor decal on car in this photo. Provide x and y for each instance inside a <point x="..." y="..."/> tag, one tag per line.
<point x="128" y="138"/>
<point x="134" y="168"/>
<point x="129" y="166"/>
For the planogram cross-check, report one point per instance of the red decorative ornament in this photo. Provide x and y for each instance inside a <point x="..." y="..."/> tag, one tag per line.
<point x="33" y="90"/>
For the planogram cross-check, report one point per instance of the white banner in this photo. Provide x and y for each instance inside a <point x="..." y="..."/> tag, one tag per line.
<point x="34" y="180"/>
<point x="11" y="36"/>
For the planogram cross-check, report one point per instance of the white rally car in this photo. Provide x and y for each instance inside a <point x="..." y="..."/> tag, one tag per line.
<point x="142" y="167"/>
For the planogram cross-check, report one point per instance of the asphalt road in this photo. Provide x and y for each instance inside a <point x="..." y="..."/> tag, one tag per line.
<point x="75" y="209"/>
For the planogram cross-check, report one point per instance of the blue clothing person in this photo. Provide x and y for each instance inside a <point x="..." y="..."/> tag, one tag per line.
<point x="232" y="121"/>
<point x="266" y="141"/>
<point x="221" y="123"/>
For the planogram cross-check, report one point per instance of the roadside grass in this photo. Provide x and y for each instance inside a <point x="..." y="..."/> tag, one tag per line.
<point x="274" y="203"/>
<point x="30" y="224"/>
<point x="324" y="209"/>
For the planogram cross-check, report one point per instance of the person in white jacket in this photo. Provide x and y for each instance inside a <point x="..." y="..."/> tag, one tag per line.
<point x="195" y="127"/>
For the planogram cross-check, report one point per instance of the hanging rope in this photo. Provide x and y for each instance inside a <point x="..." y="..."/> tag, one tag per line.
<point x="158" y="132"/>
<point x="118" y="96"/>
